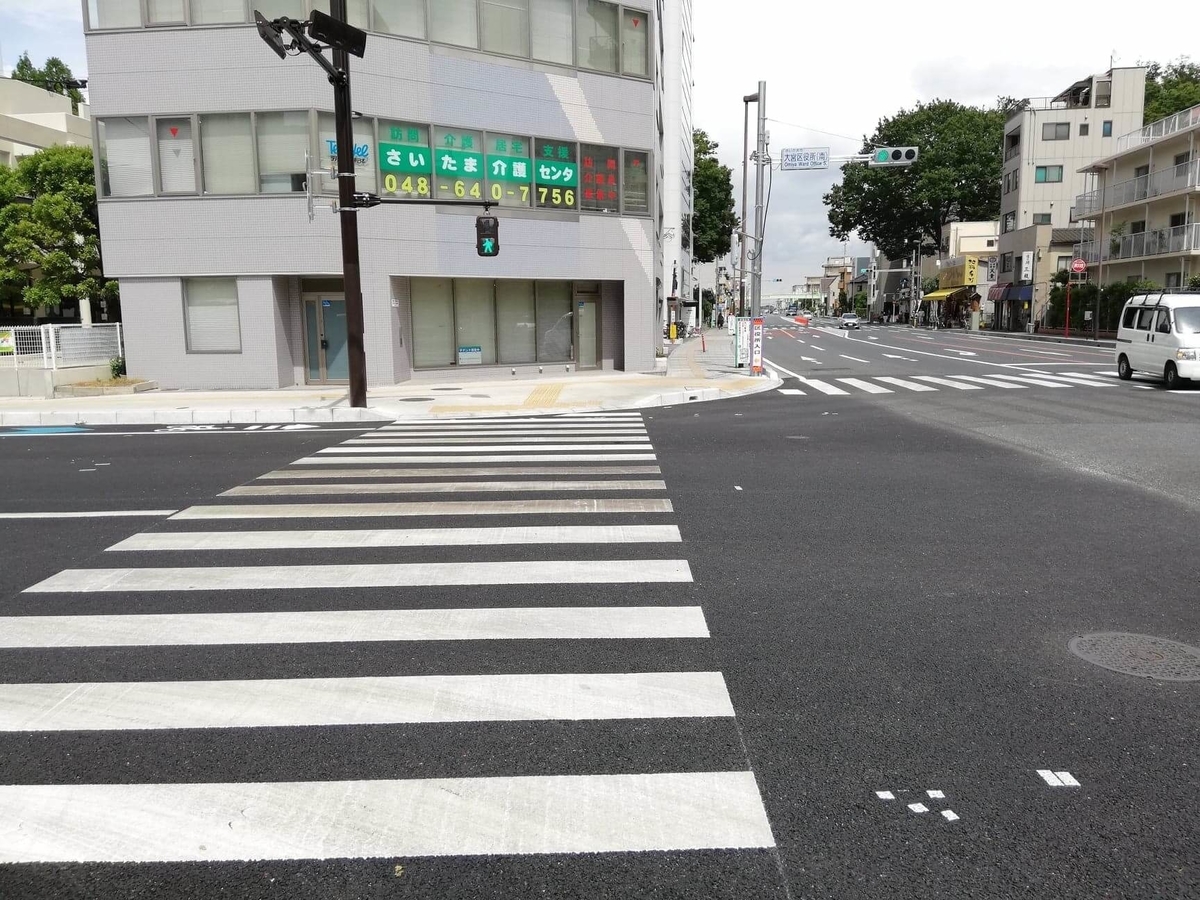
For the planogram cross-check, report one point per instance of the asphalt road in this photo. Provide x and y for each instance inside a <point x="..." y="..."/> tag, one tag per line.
<point x="889" y="583"/>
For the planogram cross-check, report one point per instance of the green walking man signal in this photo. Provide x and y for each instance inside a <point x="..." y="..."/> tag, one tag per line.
<point x="487" y="235"/>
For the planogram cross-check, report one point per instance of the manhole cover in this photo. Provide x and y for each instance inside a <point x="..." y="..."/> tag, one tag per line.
<point x="414" y="399"/>
<point x="1139" y="654"/>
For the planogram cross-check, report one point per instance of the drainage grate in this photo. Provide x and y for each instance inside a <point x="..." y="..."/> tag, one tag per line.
<point x="1139" y="654"/>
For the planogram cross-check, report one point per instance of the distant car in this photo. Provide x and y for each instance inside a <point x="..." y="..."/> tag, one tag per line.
<point x="849" y="320"/>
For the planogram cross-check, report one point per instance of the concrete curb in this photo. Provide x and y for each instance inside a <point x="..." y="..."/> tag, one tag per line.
<point x="1050" y="339"/>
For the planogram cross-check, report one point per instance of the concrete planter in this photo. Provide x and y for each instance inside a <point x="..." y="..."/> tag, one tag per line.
<point x="74" y="390"/>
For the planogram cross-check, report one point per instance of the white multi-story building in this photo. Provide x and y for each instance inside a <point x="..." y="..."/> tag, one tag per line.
<point x="678" y="156"/>
<point x="1143" y="200"/>
<point x="32" y="119"/>
<point x="547" y="108"/>
<point x="1048" y="141"/>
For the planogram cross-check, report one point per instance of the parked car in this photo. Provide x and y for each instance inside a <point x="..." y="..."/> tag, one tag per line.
<point x="849" y="320"/>
<point x="1160" y="334"/>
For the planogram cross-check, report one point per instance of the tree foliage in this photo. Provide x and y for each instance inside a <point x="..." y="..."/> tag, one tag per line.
<point x="50" y="76"/>
<point x="50" y="249"/>
<point x="956" y="178"/>
<point x="1170" y="88"/>
<point x="713" y="221"/>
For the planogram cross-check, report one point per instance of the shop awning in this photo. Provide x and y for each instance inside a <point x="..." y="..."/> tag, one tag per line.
<point x="946" y="292"/>
<point x="1007" y="291"/>
<point x="998" y="290"/>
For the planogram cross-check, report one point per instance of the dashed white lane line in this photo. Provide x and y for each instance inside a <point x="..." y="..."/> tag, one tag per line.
<point x="1058" y="779"/>
<point x="949" y="815"/>
<point x="791" y="392"/>
<point x="854" y="358"/>
<point x="918" y="807"/>
<point x="885" y="795"/>
<point x="90" y="514"/>
<point x="936" y="795"/>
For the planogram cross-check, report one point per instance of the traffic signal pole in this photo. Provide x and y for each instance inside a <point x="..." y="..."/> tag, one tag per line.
<point x="759" y="214"/>
<point x="746" y="101"/>
<point x="348" y="215"/>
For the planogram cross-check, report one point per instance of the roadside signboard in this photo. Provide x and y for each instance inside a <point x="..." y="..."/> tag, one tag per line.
<point x="743" y="341"/>
<point x="756" y="347"/>
<point x="8" y="343"/>
<point x="1078" y="266"/>
<point x="796" y="158"/>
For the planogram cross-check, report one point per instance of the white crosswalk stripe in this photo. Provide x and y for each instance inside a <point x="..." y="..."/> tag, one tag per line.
<point x="1031" y="379"/>
<point x="261" y="567"/>
<point x="824" y="387"/>
<point x="886" y="384"/>
<point x="907" y="385"/>
<point x="866" y="386"/>
<point x="946" y="382"/>
<point x="991" y="382"/>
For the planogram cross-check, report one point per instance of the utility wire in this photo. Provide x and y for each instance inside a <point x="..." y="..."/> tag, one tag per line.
<point x="845" y="137"/>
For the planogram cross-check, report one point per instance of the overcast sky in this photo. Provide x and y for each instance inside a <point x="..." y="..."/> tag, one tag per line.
<point x="828" y="67"/>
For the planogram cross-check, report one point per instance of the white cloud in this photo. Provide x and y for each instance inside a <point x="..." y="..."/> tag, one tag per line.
<point x="42" y="15"/>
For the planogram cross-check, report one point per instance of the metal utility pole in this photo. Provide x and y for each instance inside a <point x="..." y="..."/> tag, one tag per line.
<point x="746" y="101"/>
<point x="759" y="215"/>
<point x="348" y="215"/>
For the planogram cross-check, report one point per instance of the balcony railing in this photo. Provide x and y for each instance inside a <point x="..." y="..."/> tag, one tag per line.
<point x="1160" y="129"/>
<point x="1160" y="242"/>
<point x="1012" y="151"/>
<point x="1135" y="190"/>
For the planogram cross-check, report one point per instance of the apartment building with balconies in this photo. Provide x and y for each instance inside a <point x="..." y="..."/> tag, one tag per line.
<point x="1142" y="198"/>
<point x="1048" y="142"/>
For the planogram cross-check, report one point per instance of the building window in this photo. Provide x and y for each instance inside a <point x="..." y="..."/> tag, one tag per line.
<point x="516" y="322"/>
<point x="601" y="188"/>
<point x="1182" y="159"/>
<point x="453" y="22"/>
<point x="1048" y="174"/>
<point x="1174" y="279"/>
<point x="402" y="17"/>
<point x="1178" y="220"/>
<point x="635" y="43"/>
<point x="227" y="153"/>
<point x="164" y="12"/>
<point x="215" y="12"/>
<point x="474" y="322"/>
<point x="1007" y="183"/>
<point x="596" y="35"/>
<point x="991" y="243"/>
<point x="356" y="11"/>
<point x="276" y="9"/>
<point x="556" y="170"/>
<point x="432" y="301"/>
<point x="1056" y="131"/>
<point x="1006" y="262"/>
<point x="504" y="26"/>
<point x="1103" y="94"/>
<point x="176" y="156"/>
<point x="1063" y="264"/>
<point x="1016" y="178"/>
<point x="282" y="139"/>
<point x="114" y="14"/>
<point x="211" y="315"/>
<point x="1009" y="223"/>
<point x="458" y="164"/>
<point x="1138" y="227"/>
<point x="364" y="155"/>
<point x="554" y="321"/>
<point x="125" y="158"/>
<point x="1041" y="218"/>
<point x="552" y="30"/>
<point x="405" y="159"/>
<point x="1084" y="129"/>
<point x="509" y="169"/>
<point x="1106" y="128"/>
<point x="636" y="174"/>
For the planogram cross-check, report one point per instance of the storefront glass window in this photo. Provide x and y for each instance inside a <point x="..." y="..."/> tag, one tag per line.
<point x="458" y="163"/>
<point x="176" y="156"/>
<point x="475" y="322"/>
<point x="405" y="159"/>
<point x="125" y="157"/>
<point x="364" y="155"/>
<point x="516" y="324"/>
<point x="556" y="170"/>
<point x="227" y="152"/>
<point x="432" y="322"/>
<point x="600" y="188"/>
<point x="453" y="22"/>
<point x="282" y="140"/>
<point x="504" y="26"/>
<point x="554" y="321"/>
<point x="403" y="17"/>
<point x="596" y="33"/>
<point x="637" y="182"/>
<point x="551" y="20"/>
<point x="508" y="163"/>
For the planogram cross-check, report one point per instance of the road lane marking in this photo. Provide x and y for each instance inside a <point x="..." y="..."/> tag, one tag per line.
<point x="416" y="449"/>
<point x="398" y="537"/>
<point x="431" y="472"/>
<point x="854" y="358"/>
<point x="392" y="440"/>
<point x="946" y="382"/>
<point x="382" y="818"/>
<point x="885" y="795"/>
<point x="990" y="381"/>
<point x="894" y="356"/>
<point x="354" y="626"/>
<point x="437" y="487"/>
<point x="936" y="795"/>
<point x="91" y="514"/>
<point x="1032" y="379"/>
<point x="918" y="807"/>
<point x="791" y="392"/>
<point x="824" y="387"/>
<point x="488" y="458"/>
<point x="866" y="386"/>
<point x="366" y="575"/>
<point x="422" y="508"/>
<point x="909" y="385"/>
<point x="492" y="432"/>
<point x="1058" y="779"/>
<point x="949" y="815"/>
<point x="815" y="347"/>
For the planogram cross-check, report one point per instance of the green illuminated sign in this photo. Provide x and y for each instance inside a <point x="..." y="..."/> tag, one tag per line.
<point x="458" y="163"/>
<point x="405" y="158"/>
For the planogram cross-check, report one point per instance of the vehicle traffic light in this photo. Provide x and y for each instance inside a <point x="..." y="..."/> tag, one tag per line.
<point x="893" y="156"/>
<point x="487" y="235"/>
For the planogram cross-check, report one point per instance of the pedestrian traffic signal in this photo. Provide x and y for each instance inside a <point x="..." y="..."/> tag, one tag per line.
<point x="487" y="235"/>
<point x="893" y="156"/>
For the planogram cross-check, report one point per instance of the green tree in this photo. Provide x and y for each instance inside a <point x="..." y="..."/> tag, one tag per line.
<point x="50" y="249"/>
<point x="956" y="177"/>
<point x="861" y="302"/>
<point x="1171" y="88"/>
<point x="713" y="221"/>
<point x="52" y="76"/>
<point x="929" y="285"/>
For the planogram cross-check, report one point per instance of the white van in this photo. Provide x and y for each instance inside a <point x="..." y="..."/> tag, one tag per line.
<point x="1160" y="334"/>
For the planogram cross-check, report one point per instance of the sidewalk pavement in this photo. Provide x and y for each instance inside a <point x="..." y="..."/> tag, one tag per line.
<point x="697" y="369"/>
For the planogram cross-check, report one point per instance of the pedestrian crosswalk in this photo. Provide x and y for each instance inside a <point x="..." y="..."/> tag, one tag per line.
<point x="923" y="384"/>
<point x="564" y="603"/>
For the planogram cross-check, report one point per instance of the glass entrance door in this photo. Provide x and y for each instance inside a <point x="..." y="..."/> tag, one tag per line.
<point x="587" y="329"/>
<point x="325" y="335"/>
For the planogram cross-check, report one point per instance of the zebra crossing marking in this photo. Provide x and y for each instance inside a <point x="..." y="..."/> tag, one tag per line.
<point x="483" y="458"/>
<point x="991" y="382"/>
<point x="437" y="487"/>
<point x="1030" y="379"/>
<point x="427" y="574"/>
<point x="824" y="387"/>
<point x="946" y="382"/>
<point x="418" y="449"/>
<point x="427" y="472"/>
<point x="865" y="386"/>
<point x="423" y="508"/>
<point x="354" y="626"/>
<point x="907" y="385"/>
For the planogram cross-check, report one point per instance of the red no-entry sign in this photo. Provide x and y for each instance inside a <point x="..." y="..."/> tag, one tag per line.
<point x="1078" y="266"/>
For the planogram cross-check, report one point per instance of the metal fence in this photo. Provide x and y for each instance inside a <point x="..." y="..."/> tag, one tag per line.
<point x="59" y="346"/>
